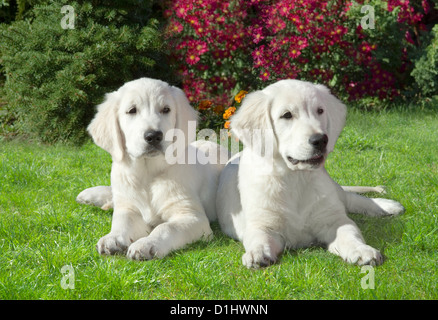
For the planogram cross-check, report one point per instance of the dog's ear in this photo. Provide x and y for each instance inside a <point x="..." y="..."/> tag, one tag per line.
<point x="185" y="113"/>
<point x="336" y="113"/>
<point x="252" y="122"/>
<point x="105" y="129"/>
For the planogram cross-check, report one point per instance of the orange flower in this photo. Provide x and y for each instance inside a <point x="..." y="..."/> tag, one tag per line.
<point x="204" y="104"/>
<point x="219" y="109"/>
<point x="227" y="125"/>
<point x="240" y="96"/>
<point x="229" y="112"/>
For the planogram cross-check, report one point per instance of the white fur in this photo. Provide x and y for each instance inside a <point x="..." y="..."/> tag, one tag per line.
<point x="158" y="207"/>
<point x="295" y="203"/>
<point x="100" y="196"/>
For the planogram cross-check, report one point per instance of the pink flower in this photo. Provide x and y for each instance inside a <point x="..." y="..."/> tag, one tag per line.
<point x="257" y="35"/>
<point x="198" y="46"/>
<point x="294" y="52"/>
<point x="264" y="75"/>
<point x="295" y="19"/>
<point x="278" y="25"/>
<point x="408" y="37"/>
<point x="192" y="58"/>
<point x="258" y="56"/>
<point x="284" y="8"/>
<point x="175" y="26"/>
<point x="299" y="42"/>
<point x="193" y="21"/>
<point x="181" y="12"/>
<point x="426" y="6"/>
<point x="365" y="47"/>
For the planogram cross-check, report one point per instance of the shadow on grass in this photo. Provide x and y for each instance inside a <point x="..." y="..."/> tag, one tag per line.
<point x="379" y="232"/>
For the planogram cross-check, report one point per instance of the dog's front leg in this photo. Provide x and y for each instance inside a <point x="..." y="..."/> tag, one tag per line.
<point x="127" y="226"/>
<point x="178" y="231"/>
<point x="344" y="239"/>
<point x="262" y="247"/>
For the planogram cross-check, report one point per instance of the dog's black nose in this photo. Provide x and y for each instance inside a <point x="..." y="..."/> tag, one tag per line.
<point x="153" y="137"/>
<point x="319" y="141"/>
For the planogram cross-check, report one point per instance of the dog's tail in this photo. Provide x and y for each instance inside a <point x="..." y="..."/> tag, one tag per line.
<point x="356" y="203"/>
<point x="378" y="189"/>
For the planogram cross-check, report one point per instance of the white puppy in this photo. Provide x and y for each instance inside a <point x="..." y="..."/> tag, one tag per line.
<point x="280" y="195"/>
<point x="161" y="201"/>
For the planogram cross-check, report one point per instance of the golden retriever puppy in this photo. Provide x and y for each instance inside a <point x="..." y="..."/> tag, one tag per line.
<point x="163" y="197"/>
<point x="276" y="193"/>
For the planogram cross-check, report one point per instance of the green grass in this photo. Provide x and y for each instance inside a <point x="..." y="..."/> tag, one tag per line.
<point x="42" y="228"/>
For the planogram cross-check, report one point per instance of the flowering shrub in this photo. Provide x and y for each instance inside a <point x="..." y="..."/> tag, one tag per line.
<point x="209" y="39"/>
<point x="221" y="47"/>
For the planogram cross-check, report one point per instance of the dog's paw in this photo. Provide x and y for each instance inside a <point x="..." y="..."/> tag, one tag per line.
<point x="100" y="196"/>
<point x="144" y="249"/>
<point x="113" y="244"/>
<point x="365" y="255"/>
<point x="258" y="257"/>
<point x="389" y="207"/>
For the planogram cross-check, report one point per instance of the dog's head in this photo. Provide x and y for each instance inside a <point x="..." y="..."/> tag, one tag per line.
<point x="303" y="119"/>
<point x="134" y="119"/>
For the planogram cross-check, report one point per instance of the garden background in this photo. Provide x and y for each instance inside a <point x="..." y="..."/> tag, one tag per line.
<point x="379" y="57"/>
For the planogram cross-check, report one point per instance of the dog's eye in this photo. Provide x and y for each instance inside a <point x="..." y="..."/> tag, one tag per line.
<point x="165" y="110"/>
<point x="132" y="110"/>
<point x="320" y="110"/>
<point x="287" y="115"/>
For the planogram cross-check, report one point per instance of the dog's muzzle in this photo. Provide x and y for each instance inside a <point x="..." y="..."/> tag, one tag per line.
<point x="319" y="143"/>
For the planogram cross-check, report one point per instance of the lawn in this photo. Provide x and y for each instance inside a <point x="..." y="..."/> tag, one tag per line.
<point x="43" y="229"/>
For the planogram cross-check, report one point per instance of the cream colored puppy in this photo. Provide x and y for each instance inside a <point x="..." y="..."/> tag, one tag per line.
<point x="162" y="199"/>
<point x="276" y="193"/>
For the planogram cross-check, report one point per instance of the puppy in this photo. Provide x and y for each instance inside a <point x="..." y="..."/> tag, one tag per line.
<point x="276" y="193"/>
<point x="161" y="201"/>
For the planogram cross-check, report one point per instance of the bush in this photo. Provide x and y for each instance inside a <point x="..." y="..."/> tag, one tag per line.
<point x="56" y="76"/>
<point x="426" y="68"/>
<point x="223" y="47"/>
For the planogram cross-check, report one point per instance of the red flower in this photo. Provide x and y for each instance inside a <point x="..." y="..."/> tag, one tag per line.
<point x="192" y="58"/>
<point x="258" y="56"/>
<point x="294" y="52"/>
<point x="264" y="75"/>
<point x="257" y="35"/>
<point x="175" y="27"/>
<point x="365" y="47"/>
